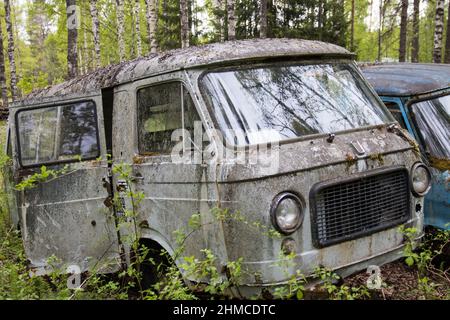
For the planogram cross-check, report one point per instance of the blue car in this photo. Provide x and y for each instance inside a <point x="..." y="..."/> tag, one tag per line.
<point x="418" y="95"/>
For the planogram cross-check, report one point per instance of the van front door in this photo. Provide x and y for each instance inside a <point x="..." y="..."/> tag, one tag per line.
<point x="168" y="171"/>
<point x="62" y="176"/>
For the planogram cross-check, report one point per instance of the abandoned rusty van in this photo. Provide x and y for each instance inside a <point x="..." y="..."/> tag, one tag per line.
<point x="418" y="95"/>
<point x="334" y="174"/>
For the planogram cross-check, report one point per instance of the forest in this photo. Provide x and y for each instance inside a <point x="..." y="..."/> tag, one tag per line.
<point x="44" y="42"/>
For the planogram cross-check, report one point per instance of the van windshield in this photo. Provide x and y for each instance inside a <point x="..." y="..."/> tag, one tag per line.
<point x="289" y="101"/>
<point x="433" y="119"/>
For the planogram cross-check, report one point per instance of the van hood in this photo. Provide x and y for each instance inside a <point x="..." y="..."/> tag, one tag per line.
<point x="319" y="151"/>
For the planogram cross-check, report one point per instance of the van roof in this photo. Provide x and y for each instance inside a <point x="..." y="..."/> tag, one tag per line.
<point x="407" y="79"/>
<point x="192" y="57"/>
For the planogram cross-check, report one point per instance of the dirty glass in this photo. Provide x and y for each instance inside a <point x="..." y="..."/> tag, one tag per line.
<point x="292" y="100"/>
<point x="394" y="108"/>
<point x="433" y="119"/>
<point x="59" y="133"/>
<point x="190" y="113"/>
<point x="160" y="113"/>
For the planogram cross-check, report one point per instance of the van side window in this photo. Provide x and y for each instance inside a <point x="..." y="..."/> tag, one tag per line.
<point x="58" y="134"/>
<point x="160" y="113"/>
<point x="396" y="112"/>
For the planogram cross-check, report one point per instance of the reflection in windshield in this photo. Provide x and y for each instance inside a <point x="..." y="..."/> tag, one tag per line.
<point x="58" y="133"/>
<point x="293" y="100"/>
<point x="433" y="119"/>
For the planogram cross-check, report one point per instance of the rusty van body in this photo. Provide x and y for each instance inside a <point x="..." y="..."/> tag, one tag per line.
<point x="336" y="184"/>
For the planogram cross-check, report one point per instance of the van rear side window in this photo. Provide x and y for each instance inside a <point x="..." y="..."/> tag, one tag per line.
<point x="58" y="134"/>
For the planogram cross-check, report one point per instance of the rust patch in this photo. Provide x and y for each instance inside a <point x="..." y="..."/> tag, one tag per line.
<point x="350" y="160"/>
<point x="440" y="164"/>
<point x="402" y="133"/>
<point x="377" y="157"/>
<point x="95" y="163"/>
<point x="138" y="159"/>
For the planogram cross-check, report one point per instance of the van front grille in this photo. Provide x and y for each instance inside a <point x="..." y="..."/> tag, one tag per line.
<point x="348" y="209"/>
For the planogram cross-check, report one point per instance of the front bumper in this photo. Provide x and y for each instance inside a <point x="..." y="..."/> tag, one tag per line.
<point x="379" y="259"/>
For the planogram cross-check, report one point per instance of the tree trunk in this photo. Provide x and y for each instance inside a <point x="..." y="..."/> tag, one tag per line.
<point x="219" y="15"/>
<point x="403" y="31"/>
<point x="137" y="15"/>
<point x="184" y="24"/>
<point x="87" y="58"/>
<point x="151" y="25"/>
<point x="4" y="90"/>
<point x="447" y="41"/>
<point x="352" y="30"/>
<point x="83" y="52"/>
<point x="72" y="36"/>
<point x="438" y="31"/>
<point x="263" y="19"/>
<point x="320" y="19"/>
<point x="120" y="29"/>
<point x="95" y="31"/>
<point x="380" y="29"/>
<point x="231" y="20"/>
<point x="415" y="36"/>
<point x="11" y="47"/>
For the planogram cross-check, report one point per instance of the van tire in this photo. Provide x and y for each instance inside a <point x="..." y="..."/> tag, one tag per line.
<point x="155" y="265"/>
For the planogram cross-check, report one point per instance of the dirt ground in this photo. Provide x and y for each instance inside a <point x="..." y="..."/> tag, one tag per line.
<point x="400" y="282"/>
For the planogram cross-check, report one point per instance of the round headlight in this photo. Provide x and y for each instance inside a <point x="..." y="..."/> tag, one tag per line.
<point x="287" y="212"/>
<point x="420" y="179"/>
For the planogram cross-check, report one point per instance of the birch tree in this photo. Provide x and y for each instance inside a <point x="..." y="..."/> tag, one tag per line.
<point x="352" y="26"/>
<point x="219" y="16"/>
<point x="95" y="32"/>
<point x="184" y="16"/>
<point x="447" y="41"/>
<point x="11" y="53"/>
<point x="4" y="90"/>
<point x="415" y="33"/>
<point x="120" y="29"/>
<point x="83" y="51"/>
<point x="438" y="31"/>
<point x="263" y="19"/>
<point x="403" y="31"/>
<point x="380" y="28"/>
<point x="137" y="15"/>
<point x="231" y="19"/>
<point x="151" y="25"/>
<point x="72" y="38"/>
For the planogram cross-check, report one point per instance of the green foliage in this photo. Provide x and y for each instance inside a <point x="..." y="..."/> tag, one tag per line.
<point x="423" y="257"/>
<point x="413" y="257"/>
<point x="41" y="45"/>
<point x="42" y="176"/>
<point x="338" y="292"/>
<point x="295" y="286"/>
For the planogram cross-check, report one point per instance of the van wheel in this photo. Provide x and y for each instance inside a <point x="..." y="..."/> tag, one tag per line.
<point x="155" y="265"/>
